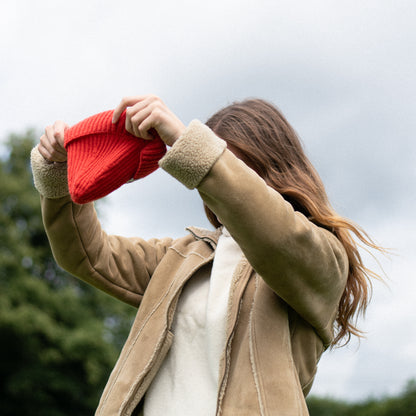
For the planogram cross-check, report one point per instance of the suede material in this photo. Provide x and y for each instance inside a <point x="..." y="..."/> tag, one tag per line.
<point x="283" y="298"/>
<point x="304" y="264"/>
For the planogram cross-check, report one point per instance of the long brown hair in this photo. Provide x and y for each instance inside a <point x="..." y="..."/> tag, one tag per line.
<point x="258" y="133"/>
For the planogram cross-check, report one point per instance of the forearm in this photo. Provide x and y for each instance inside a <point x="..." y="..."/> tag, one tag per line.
<point x="81" y="247"/>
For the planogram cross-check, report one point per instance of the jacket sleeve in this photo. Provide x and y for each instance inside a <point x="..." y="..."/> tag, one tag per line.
<point x="304" y="264"/>
<point x="117" y="265"/>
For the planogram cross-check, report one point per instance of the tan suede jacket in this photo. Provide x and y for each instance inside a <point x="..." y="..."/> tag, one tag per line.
<point x="284" y="296"/>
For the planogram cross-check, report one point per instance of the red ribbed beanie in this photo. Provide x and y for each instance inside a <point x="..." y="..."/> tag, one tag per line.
<point x="102" y="156"/>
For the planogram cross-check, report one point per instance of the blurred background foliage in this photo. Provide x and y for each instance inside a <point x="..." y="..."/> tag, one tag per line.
<point x="402" y="405"/>
<point x="59" y="338"/>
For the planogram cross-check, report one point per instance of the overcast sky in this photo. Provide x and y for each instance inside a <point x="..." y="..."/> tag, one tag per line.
<point x="343" y="72"/>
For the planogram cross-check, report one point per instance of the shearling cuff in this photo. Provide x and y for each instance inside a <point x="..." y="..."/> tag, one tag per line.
<point x="50" y="179"/>
<point x="193" y="154"/>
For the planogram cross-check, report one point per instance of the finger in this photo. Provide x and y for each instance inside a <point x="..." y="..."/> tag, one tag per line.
<point x="137" y="121"/>
<point x="127" y="125"/>
<point x="133" y="118"/>
<point x="60" y="158"/>
<point x="55" y="140"/>
<point x="147" y="128"/>
<point x="137" y="113"/>
<point x="42" y="149"/>
<point x="50" y="148"/>
<point x="60" y="127"/>
<point x="47" y="139"/>
<point x="48" y="155"/>
<point x="125" y="102"/>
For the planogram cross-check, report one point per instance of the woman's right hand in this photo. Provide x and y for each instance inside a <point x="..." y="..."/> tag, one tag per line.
<point x="51" y="144"/>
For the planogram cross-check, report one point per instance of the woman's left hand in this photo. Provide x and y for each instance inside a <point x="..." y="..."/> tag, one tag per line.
<point x="147" y="113"/>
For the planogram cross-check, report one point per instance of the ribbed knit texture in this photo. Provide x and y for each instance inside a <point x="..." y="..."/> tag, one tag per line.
<point x="102" y="156"/>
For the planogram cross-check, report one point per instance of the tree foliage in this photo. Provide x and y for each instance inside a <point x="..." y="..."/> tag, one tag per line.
<point x="59" y="337"/>
<point x="402" y="405"/>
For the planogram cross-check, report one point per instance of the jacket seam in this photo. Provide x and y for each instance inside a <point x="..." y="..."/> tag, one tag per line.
<point x="252" y="353"/>
<point x="186" y="255"/>
<point x="221" y="393"/>
<point x="145" y="321"/>
<point x="127" y="407"/>
<point x="133" y="343"/>
<point x="310" y="380"/>
<point x="295" y="373"/>
<point x="238" y="274"/>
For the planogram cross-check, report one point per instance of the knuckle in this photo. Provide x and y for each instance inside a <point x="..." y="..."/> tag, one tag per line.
<point x="154" y="109"/>
<point x="134" y="118"/>
<point x="157" y="112"/>
<point x="154" y="97"/>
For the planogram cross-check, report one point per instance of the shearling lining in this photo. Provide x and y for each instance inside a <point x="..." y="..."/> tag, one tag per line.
<point x="193" y="154"/>
<point x="50" y="179"/>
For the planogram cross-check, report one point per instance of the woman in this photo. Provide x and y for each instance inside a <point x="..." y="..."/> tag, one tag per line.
<point x="231" y="321"/>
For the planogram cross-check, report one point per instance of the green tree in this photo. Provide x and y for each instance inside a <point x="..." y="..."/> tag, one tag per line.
<point x="327" y="407"/>
<point x="59" y="337"/>
<point x="403" y="404"/>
